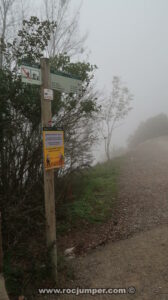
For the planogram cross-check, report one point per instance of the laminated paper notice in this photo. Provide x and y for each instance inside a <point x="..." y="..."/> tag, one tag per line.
<point x="53" y="145"/>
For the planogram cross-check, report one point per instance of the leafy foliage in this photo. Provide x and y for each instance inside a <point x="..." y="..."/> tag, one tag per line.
<point x="21" y="177"/>
<point x="31" y="42"/>
<point x="151" y="128"/>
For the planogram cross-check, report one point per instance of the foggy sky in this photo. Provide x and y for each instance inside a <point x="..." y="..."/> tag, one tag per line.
<point x="128" y="38"/>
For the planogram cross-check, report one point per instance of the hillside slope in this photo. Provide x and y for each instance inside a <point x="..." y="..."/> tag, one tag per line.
<point x="141" y="258"/>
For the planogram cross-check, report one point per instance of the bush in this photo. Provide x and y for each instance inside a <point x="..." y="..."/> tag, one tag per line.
<point x="151" y="128"/>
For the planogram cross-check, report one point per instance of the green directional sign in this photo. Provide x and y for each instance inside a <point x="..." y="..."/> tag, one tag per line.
<point x="60" y="81"/>
<point x="64" y="82"/>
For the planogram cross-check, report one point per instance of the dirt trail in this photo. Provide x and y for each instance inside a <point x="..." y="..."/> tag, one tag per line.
<point x="140" y="259"/>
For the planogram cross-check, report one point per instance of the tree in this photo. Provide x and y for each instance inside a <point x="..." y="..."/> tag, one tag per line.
<point x="21" y="179"/>
<point x="11" y="17"/>
<point x="5" y="6"/>
<point x="115" y="109"/>
<point x="151" y="128"/>
<point x="31" y="42"/>
<point x="3" y="293"/>
<point x="5" y="9"/>
<point x="65" y="39"/>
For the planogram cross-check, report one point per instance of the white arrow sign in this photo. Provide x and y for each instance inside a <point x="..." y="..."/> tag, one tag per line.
<point x="31" y="75"/>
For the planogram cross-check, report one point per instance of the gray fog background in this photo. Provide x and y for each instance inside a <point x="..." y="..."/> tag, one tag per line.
<point x="129" y="38"/>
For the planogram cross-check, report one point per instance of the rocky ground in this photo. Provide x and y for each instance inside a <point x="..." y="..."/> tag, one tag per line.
<point x="142" y="199"/>
<point x="133" y="250"/>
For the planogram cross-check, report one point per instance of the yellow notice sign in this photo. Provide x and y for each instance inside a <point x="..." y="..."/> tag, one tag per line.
<point x="53" y="145"/>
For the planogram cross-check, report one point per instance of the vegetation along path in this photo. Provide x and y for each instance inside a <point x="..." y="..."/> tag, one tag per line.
<point x="139" y="255"/>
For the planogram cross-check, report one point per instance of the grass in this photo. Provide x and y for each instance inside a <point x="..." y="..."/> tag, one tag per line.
<point x="92" y="201"/>
<point x="94" y="196"/>
<point x="24" y="277"/>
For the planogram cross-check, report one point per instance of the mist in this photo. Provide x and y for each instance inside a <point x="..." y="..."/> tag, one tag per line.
<point x="126" y="39"/>
<point x="129" y="39"/>
<point x="84" y="140"/>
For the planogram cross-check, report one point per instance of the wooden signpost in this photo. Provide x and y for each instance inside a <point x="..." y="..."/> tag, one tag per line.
<point x="1" y="252"/>
<point x="3" y="292"/>
<point x="53" y="140"/>
<point x="46" y="116"/>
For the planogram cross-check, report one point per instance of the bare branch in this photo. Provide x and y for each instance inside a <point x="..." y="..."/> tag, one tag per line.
<point x="115" y="109"/>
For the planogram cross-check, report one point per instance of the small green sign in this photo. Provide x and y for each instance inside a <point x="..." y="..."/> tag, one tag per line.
<point x="65" y="83"/>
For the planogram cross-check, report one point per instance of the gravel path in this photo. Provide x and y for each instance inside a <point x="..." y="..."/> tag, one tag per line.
<point x="144" y="187"/>
<point x="139" y="255"/>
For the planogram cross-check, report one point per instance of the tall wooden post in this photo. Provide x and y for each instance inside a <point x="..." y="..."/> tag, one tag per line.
<point x="3" y="292"/>
<point x="46" y="116"/>
<point x="1" y="52"/>
<point x="1" y="252"/>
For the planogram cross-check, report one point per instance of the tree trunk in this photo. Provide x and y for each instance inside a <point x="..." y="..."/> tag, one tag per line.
<point x="108" y="149"/>
<point x="3" y="293"/>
